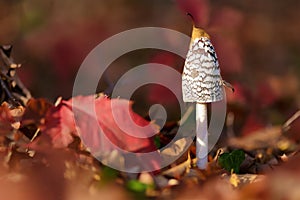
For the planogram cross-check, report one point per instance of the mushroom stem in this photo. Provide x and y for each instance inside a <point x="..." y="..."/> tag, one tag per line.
<point x="201" y="135"/>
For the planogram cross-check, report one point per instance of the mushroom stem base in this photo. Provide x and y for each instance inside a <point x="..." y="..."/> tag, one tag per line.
<point x="201" y="135"/>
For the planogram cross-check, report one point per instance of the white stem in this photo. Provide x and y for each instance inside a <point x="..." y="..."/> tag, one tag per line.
<point x="201" y="135"/>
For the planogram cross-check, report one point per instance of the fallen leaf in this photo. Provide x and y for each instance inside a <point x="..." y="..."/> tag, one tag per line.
<point x="262" y="138"/>
<point x="232" y="161"/>
<point x="234" y="180"/>
<point x="59" y="125"/>
<point x="101" y="133"/>
<point x="6" y="120"/>
<point x="114" y="121"/>
<point x="136" y="186"/>
<point x="35" y="111"/>
<point x="241" y="180"/>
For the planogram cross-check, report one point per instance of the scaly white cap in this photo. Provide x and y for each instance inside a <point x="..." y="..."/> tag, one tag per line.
<point x="201" y="79"/>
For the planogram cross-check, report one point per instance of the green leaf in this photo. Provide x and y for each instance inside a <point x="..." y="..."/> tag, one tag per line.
<point x="157" y="141"/>
<point x="232" y="161"/>
<point x="108" y="174"/>
<point x="136" y="186"/>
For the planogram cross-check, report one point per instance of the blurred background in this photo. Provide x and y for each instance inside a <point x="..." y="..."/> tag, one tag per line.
<point x="257" y="43"/>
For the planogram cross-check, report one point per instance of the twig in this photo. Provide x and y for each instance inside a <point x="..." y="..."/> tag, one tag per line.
<point x="9" y="94"/>
<point x="13" y="89"/>
<point x="287" y="124"/>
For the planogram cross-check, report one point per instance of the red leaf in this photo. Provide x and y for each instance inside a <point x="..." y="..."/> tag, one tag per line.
<point x="59" y="125"/>
<point x="115" y="123"/>
<point x="97" y="133"/>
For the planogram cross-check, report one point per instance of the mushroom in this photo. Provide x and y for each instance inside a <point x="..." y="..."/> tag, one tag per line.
<point x="203" y="84"/>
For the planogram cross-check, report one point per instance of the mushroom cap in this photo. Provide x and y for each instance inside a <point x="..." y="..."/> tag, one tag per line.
<point x="201" y="78"/>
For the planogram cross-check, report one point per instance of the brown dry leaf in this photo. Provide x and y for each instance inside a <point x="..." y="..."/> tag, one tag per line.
<point x="17" y="112"/>
<point x="262" y="138"/>
<point x="16" y="186"/>
<point x="285" y="183"/>
<point x="176" y="150"/>
<point x="6" y="121"/>
<point x="33" y="117"/>
<point x="241" y="180"/>
<point x="234" y="180"/>
<point x="40" y="177"/>
<point x="77" y="191"/>
<point x="180" y="169"/>
<point x="36" y="110"/>
<point x="212" y="189"/>
<point x="258" y="190"/>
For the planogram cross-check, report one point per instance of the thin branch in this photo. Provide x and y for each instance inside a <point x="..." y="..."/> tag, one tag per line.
<point x="13" y="89"/>
<point x="287" y="124"/>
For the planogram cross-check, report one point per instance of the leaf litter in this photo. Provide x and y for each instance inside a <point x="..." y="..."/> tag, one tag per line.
<point x="59" y="154"/>
<point x="43" y="156"/>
